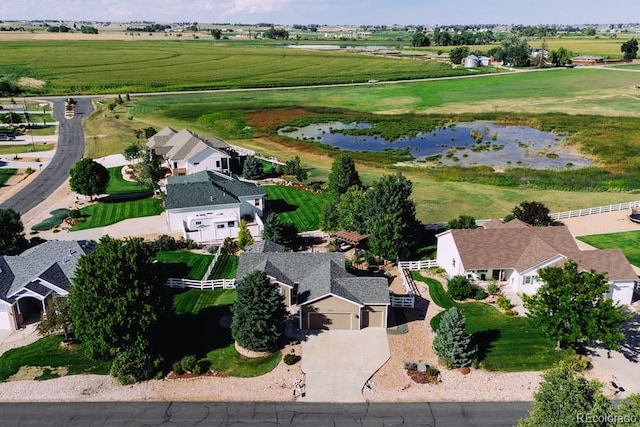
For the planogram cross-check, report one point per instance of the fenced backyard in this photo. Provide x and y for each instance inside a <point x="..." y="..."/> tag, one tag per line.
<point x="404" y="270"/>
<point x="219" y="274"/>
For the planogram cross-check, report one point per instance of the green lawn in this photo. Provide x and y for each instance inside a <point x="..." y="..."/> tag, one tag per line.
<point x="25" y="148"/>
<point x="225" y="267"/>
<point x="194" y="300"/>
<point x="299" y="207"/>
<point x="118" y="185"/>
<point x="628" y="241"/>
<point x="505" y="343"/>
<point x="102" y="214"/>
<point x="196" y="329"/>
<point x="184" y="264"/>
<point x="5" y="174"/>
<point x="47" y="352"/>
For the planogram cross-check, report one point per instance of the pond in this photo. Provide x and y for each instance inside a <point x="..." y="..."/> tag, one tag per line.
<point x="465" y="144"/>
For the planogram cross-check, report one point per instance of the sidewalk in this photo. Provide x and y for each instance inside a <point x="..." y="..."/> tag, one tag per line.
<point x="19" y="338"/>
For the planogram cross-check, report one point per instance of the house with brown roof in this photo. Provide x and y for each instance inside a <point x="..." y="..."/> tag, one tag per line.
<point x="185" y="152"/>
<point x="512" y="253"/>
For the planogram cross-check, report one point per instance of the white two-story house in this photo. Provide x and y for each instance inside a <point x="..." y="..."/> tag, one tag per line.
<point x="207" y="206"/>
<point x="512" y="253"/>
<point x="185" y="152"/>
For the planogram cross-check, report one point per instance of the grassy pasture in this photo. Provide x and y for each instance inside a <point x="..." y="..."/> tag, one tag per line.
<point x="73" y="67"/>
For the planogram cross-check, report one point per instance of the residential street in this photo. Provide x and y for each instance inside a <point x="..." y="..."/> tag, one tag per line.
<point x="238" y="414"/>
<point x="69" y="150"/>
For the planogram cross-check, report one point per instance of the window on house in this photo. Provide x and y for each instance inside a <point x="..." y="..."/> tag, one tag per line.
<point x="198" y="222"/>
<point x="231" y="224"/>
<point x="217" y="163"/>
<point x="294" y="294"/>
<point x="256" y="202"/>
<point x="219" y="225"/>
<point x="453" y="262"/>
<point x="196" y="163"/>
<point x="528" y="280"/>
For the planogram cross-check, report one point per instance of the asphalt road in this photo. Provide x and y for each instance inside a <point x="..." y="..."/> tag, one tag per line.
<point x="494" y="414"/>
<point x="69" y="150"/>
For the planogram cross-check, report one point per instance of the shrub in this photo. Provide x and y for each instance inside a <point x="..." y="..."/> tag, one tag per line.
<point x="493" y="288"/>
<point x="163" y="243"/>
<point x="433" y="371"/>
<point x="459" y="288"/>
<point x="188" y="363"/>
<point x="410" y="366"/>
<point x="75" y="213"/>
<point x="511" y="312"/>
<point x="504" y="303"/>
<point x="28" y="171"/>
<point x="480" y="294"/>
<point x="177" y="367"/>
<point x="291" y="359"/>
<point x="132" y="365"/>
<point x="197" y="369"/>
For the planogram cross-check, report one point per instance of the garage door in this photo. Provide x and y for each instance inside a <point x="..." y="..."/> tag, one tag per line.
<point x="330" y="321"/>
<point x="372" y="319"/>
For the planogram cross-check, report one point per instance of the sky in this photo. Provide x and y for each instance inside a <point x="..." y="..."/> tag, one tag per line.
<point x="330" y="12"/>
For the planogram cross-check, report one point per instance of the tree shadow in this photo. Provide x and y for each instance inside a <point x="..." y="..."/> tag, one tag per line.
<point x="280" y="206"/>
<point x="484" y="340"/>
<point x="630" y="346"/>
<point x="129" y="197"/>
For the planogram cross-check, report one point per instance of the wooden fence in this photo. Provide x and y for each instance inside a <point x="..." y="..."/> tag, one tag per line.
<point x="202" y="284"/>
<point x="403" y="301"/>
<point x="417" y="265"/>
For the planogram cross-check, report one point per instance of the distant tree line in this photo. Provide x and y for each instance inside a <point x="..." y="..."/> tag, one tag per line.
<point x="311" y="27"/>
<point x="276" y="33"/>
<point x="152" y="28"/>
<point x="59" y="29"/>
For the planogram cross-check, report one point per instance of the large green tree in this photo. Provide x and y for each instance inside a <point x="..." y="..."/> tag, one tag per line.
<point x="457" y="54"/>
<point x="343" y="175"/>
<point x="258" y="313"/>
<point x="115" y="300"/>
<point x="280" y="232"/>
<point x="566" y="399"/>
<point x="149" y="170"/>
<point x="516" y="51"/>
<point x="561" y="57"/>
<point x="452" y="343"/>
<point x="570" y="307"/>
<point x="351" y="210"/>
<point x="89" y="178"/>
<point x="252" y="168"/>
<point x="533" y="213"/>
<point x="12" y="240"/>
<point x="629" y="49"/>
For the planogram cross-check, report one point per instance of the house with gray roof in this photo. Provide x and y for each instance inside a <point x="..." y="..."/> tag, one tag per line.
<point x="207" y="206"/>
<point x="28" y="280"/>
<point x="512" y="253"/>
<point x="324" y="293"/>
<point x="185" y="152"/>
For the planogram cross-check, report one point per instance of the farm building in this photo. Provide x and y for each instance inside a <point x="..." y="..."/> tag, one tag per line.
<point x="587" y="60"/>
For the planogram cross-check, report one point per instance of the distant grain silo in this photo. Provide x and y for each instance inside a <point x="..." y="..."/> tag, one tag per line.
<point x="471" y="61"/>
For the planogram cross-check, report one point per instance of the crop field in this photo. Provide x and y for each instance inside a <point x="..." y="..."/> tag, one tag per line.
<point x="74" y="67"/>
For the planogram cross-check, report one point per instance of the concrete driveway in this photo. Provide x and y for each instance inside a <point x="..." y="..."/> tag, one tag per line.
<point x="338" y="363"/>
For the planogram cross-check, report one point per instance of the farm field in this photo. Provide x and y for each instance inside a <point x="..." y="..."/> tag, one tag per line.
<point x="628" y="241"/>
<point x="107" y="66"/>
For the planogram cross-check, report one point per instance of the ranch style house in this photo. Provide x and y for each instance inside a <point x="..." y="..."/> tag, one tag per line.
<point x="318" y="287"/>
<point x="207" y="206"/>
<point x="29" y="280"/>
<point x="512" y="253"/>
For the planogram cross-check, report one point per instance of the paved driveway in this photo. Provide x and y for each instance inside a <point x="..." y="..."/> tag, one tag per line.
<point x="338" y="363"/>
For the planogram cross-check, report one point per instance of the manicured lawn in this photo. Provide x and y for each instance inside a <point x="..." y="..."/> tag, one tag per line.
<point x="505" y="343"/>
<point x="299" y="207"/>
<point x="225" y="267"/>
<point x="197" y="328"/>
<point x="5" y="174"/>
<point x="194" y="300"/>
<point x="102" y="213"/>
<point x="628" y="241"/>
<point x="118" y="185"/>
<point x="184" y="264"/>
<point x="47" y="352"/>
<point x="8" y="150"/>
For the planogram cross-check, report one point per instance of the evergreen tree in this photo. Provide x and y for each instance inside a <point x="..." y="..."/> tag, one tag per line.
<point x="566" y="399"/>
<point x="258" y="313"/>
<point x="343" y="175"/>
<point x="252" y="168"/>
<point x="453" y="343"/>
<point x="329" y="216"/>
<point x="533" y="213"/>
<point x="273" y="229"/>
<point x="244" y="235"/>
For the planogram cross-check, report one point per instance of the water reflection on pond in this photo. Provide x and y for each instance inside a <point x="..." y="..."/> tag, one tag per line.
<point x="476" y="143"/>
